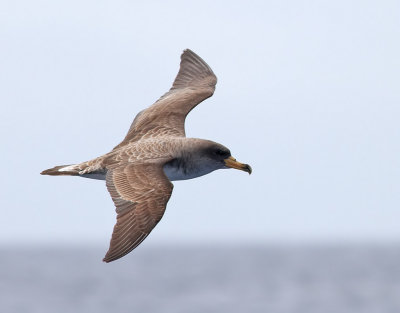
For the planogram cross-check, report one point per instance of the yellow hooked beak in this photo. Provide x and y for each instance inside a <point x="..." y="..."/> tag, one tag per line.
<point x="231" y="162"/>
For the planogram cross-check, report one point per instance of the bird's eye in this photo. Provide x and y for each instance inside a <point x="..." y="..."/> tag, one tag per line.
<point x="221" y="152"/>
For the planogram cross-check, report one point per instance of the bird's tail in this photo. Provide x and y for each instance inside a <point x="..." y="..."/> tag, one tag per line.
<point x="67" y="170"/>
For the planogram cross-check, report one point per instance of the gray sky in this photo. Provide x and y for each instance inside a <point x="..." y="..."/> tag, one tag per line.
<point x="308" y="94"/>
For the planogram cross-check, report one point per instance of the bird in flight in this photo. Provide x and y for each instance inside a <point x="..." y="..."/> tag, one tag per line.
<point x="138" y="172"/>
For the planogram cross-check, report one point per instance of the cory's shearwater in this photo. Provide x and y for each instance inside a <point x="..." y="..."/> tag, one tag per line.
<point x="138" y="172"/>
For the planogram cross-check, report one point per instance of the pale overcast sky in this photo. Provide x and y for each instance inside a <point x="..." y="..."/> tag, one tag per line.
<point x="307" y="93"/>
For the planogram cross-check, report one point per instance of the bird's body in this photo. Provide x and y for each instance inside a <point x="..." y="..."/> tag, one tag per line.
<point x="138" y="172"/>
<point x="180" y="160"/>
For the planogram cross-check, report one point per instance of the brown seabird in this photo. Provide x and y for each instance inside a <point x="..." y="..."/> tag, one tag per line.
<point x="138" y="172"/>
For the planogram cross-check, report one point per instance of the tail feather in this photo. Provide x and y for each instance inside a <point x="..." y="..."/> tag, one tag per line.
<point x="67" y="170"/>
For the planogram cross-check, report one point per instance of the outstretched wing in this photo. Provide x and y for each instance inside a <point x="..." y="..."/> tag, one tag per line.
<point x="194" y="83"/>
<point x="140" y="193"/>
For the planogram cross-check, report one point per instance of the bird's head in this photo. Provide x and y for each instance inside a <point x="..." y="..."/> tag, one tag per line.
<point x="222" y="156"/>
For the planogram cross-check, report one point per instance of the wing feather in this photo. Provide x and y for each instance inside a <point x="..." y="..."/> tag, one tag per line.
<point x="140" y="193"/>
<point x="194" y="83"/>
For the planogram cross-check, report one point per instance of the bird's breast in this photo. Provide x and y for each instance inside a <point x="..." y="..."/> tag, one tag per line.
<point x="179" y="169"/>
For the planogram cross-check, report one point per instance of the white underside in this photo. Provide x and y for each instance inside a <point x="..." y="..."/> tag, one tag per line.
<point x="172" y="174"/>
<point x="177" y="173"/>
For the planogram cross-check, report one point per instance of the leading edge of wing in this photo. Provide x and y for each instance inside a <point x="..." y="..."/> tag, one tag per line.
<point x="194" y="83"/>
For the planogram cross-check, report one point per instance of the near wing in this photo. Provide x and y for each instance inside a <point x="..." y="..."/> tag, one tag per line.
<point x="194" y="83"/>
<point x="140" y="193"/>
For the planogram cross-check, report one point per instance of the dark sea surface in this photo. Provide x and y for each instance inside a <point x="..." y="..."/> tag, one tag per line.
<point x="165" y="279"/>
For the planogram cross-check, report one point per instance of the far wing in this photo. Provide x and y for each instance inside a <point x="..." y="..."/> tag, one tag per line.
<point x="194" y="83"/>
<point x="140" y="193"/>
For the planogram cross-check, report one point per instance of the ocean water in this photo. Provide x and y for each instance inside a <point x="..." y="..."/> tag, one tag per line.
<point x="275" y="279"/>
